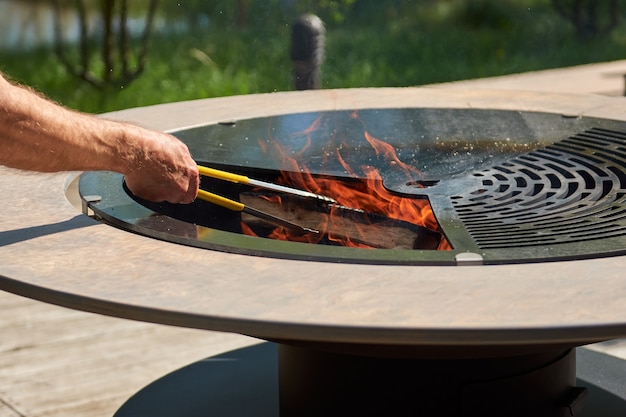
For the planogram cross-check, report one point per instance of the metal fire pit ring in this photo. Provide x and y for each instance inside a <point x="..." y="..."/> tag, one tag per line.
<point x="52" y="252"/>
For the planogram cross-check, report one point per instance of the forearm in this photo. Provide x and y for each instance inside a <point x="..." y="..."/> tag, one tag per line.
<point x="38" y="135"/>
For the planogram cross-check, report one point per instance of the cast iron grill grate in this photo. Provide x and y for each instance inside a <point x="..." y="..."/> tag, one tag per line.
<point x="571" y="191"/>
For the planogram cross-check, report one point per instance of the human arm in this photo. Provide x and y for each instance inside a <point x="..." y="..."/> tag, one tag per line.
<point x="39" y="135"/>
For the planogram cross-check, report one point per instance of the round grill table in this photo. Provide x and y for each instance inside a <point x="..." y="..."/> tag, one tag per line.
<point x="500" y="322"/>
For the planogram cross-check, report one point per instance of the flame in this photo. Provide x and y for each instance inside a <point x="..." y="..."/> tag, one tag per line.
<point x="366" y="193"/>
<point x="385" y="149"/>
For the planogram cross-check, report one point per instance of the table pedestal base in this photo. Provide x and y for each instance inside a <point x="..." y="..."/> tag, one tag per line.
<point x="318" y="383"/>
<point x="245" y="382"/>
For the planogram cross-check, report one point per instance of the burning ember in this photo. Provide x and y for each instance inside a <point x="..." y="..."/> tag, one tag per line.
<point x="366" y="214"/>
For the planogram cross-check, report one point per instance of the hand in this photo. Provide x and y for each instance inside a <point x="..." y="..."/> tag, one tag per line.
<point x="162" y="169"/>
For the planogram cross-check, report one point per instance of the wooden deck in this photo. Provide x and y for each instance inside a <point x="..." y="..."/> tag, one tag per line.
<point x="56" y="362"/>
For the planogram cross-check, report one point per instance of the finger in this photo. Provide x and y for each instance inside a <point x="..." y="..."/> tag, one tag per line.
<point x="192" y="188"/>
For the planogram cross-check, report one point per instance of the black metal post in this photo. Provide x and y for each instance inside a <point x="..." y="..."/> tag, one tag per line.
<point x="307" y="51"/>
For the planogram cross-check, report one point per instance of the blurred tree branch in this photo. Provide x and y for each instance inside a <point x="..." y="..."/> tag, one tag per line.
<point x="115" y="57"/>
<point x="586" y="15"/>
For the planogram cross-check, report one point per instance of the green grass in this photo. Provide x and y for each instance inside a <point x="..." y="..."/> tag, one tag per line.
<point x="401" y="44"/>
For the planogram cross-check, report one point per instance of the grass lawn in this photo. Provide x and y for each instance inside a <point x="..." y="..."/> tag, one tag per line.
<point x="417" y="43"/>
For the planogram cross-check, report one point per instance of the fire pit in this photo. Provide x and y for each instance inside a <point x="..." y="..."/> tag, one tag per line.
<point x="488" y="186"/>
<point x="527" y="192"/>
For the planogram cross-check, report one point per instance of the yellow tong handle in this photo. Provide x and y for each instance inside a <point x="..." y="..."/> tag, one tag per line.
<point x="220" y="201"/>
<point x="223" y="175"/>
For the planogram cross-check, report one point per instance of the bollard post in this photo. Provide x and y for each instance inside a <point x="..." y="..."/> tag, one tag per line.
<point x="307" y="51"/>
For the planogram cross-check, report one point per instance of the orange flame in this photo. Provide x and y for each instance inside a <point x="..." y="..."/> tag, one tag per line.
<point x="367" y="194"/>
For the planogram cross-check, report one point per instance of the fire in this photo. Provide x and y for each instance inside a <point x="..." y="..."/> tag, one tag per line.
<point x="365" y="194"/>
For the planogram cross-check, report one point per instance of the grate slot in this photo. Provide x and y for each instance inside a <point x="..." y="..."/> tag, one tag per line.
<point x="590" y="182"/>
<point x="508" y="196"/>
<point x="537" y="188"/>
<point x="555" y="182"/>
<point x="534" y="167"/>
<point x="503" y="169"/>
<point x="611" y="158"/>
<point x="567" y="147"/>
<point x="604" y="136"/>
<point x="582" y="158"/>
<point x="621" y="175"/>
<point x="562" y="171"/>
<point x="588" y="142"/>
<point x="607" y="187"/>
<point x="531" y="174"/>
<point x="503" y="187"/>
<point x="572" y="187"/>
<point x="556" y="158"/>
